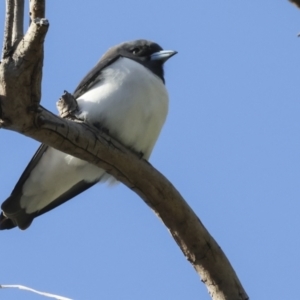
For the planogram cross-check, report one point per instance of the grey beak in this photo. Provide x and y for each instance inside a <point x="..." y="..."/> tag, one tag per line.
<point x="163" y="55"/>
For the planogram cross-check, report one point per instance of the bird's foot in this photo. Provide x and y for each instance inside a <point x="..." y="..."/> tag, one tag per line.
<point x="139" y="154"/>
<point x="101" y="128"/>
<point x="67" y="106"/>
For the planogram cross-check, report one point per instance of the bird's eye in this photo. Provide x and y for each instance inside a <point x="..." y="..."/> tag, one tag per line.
<point x="135" y="50"/>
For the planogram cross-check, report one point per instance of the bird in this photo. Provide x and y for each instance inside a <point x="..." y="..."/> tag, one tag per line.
<point x="126" y="94"/>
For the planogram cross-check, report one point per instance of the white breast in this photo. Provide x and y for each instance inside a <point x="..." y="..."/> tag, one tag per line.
<point x="132" y="103"/>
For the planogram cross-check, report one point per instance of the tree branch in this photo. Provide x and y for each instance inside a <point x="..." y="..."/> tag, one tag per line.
<point x="8" y="28"/>
<point x="37" y="9"/>
<point x="20" y="86"/>
<point x="18" y="21"/>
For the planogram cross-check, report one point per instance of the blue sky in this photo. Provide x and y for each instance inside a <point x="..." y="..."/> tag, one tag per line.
<point x="230" y="145"/>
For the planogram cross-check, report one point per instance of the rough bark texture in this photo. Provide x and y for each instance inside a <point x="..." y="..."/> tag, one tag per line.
<point x="20" y="92"/>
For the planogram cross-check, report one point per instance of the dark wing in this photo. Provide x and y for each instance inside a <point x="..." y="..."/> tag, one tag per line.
<point x="94" y="76"/>
<point x="11" y="206"/>
<point x="33" y="162"/>
<point x="14" y="215"/>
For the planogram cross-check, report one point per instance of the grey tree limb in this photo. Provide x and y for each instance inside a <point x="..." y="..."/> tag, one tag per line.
<point x="8" y="27"/>
<point x="18" y="21"/>
<point x="20" y="111"/>
<point x="37" y="9"/>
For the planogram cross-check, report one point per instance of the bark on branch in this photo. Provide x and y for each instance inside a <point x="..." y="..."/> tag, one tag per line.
<point x="7" y="42"/>
<point x="19" y="20"/>
<point x="20" y="92"/>
<point x="37" y="9"/>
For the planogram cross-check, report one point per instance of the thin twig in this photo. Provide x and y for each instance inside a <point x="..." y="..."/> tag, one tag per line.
<point x="18" y="21"/>
<point x="7" y="43"/>
<point x="22" y="287"/>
